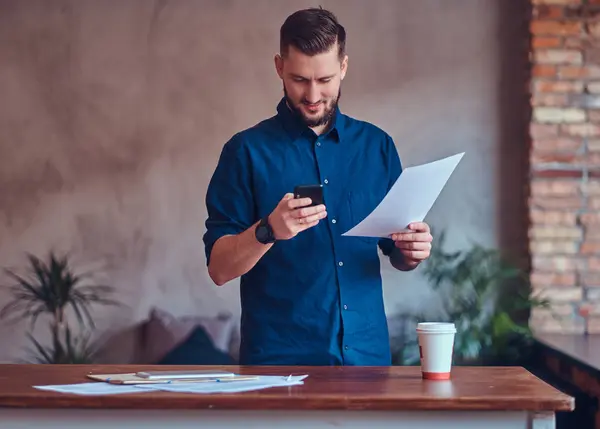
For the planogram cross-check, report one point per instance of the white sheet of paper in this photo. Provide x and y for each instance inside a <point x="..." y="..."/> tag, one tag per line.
<point x="101" y="388"/>
<point x="93" y="388"/>
<point x="409" y="200"/>
<point x="263" y="382"/>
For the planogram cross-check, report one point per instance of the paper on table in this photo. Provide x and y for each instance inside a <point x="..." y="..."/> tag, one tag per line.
<point x="103" y="388"/>
<point x="263" y="382"/>
<point x="94" y="388"/>
<point x="409" y="200"/>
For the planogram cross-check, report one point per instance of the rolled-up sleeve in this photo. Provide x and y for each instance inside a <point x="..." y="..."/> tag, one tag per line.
<point x="229" y="200"/>
<point x="394" y="167"/>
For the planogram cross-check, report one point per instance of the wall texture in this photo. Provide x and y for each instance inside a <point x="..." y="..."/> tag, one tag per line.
<point x="113" y="114"/>
<point x="565" y="161"/>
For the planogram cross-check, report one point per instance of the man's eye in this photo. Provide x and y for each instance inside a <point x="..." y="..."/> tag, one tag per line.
<point x="326" y="80"/>
<point x="298" y="79"/>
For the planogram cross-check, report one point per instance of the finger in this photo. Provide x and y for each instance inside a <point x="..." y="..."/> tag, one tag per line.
<point x="413" y="236"/>
<point x="417" y="255"/>
<point x="413" y="245"/>
<point x="294" y="203"/>
<point x="419" y="227"/>
<point x="307" y="211"/>
<point x="312" y="218"/>
<point x="288" y="196"/>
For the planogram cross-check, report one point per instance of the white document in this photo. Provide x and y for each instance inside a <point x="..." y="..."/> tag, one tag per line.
<point x="102" y="388"/>
<point x="94" y="388"/>
<point x="409" y="200"/>
<point x="263" y="382"/>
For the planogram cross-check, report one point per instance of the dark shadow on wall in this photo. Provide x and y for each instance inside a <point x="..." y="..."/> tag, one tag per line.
<point x="513" y="150"/>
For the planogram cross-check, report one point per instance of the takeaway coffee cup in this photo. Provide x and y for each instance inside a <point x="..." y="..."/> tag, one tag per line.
<point x="436" y="345"/>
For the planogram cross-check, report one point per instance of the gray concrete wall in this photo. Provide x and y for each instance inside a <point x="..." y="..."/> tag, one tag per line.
<point x="113" y="114"/>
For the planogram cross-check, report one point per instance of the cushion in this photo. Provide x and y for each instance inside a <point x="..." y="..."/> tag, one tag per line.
<point x="196" y="349"/>
<point x="164" y="332"/>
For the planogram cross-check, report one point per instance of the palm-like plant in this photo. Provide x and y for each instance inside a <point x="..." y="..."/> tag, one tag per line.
<point x="51" y="287"/>
<point x="484" y="295"/>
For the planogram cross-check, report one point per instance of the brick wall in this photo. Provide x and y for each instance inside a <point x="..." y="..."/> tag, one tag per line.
<point x="564" y="234"/>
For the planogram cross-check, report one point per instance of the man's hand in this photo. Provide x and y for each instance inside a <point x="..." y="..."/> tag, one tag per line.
<point x="291" y="216"/>
<point x="415" y="246"/>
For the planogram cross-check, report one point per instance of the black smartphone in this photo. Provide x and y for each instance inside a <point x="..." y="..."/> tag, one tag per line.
<point x="314" y="192"/>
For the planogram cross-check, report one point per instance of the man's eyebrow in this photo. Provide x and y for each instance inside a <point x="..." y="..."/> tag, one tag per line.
<point x="321" y="78"/>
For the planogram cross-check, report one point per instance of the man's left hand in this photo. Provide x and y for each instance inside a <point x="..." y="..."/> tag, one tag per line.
<point x="414" y="245"/>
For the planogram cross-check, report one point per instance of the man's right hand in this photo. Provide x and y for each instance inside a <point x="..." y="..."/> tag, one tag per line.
<point x="292" y="216"/>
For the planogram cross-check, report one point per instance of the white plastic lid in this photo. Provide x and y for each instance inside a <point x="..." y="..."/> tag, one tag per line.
<point x="436" y="327"/>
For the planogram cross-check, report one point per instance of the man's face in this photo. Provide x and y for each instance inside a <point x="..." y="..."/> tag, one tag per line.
<point x="312" y="84"/>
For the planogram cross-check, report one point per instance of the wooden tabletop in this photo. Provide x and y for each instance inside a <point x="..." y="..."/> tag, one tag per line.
<point x="581" y="349"/>
<point x="326" y="388"/>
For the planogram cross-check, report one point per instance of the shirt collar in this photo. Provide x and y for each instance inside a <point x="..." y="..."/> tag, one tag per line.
<point x="294" y="126"/>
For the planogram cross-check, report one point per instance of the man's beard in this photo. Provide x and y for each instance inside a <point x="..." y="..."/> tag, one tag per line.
<point x="324" y="119"/>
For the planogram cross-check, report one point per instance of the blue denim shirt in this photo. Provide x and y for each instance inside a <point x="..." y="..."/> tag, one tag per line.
<point x="315" y="299"/>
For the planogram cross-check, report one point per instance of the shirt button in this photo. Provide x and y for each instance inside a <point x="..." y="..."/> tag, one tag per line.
<point x="345" y="347"/>
<point x="345" y="307"/>
<point x="326" y="181"/>
<point x="318" y="143"/>
<point x="333" y="221"/>
<point x="340" y="263"/>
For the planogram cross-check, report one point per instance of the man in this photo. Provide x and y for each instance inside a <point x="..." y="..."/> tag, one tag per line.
<point x="309" y="295"/>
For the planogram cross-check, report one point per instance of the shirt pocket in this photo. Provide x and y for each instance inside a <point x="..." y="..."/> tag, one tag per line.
<point x="360" y="205"/>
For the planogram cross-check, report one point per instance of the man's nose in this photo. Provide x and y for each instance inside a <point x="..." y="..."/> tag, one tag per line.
<point x="313" y="95"/>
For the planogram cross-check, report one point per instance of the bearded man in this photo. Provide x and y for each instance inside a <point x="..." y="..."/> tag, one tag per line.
<point x="309" y="296"/>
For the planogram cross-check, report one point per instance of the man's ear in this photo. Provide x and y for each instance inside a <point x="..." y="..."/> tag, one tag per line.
<point x="279" y="65"/>
<point x="344" y="67"/>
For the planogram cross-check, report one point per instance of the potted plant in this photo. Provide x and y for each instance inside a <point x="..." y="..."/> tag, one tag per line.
<point x="487" y="297"/>
<point x="51" y="287"/>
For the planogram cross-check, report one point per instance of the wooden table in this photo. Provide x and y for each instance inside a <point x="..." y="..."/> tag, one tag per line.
<point x="349" y="397"/>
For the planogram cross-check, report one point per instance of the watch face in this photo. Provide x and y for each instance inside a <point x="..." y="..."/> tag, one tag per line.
<point x="263" y="234"/>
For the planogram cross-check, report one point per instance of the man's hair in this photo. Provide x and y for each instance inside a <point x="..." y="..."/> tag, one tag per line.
<point x="312" y="31"/>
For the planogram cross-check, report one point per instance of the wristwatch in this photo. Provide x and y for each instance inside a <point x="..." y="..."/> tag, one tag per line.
<point x="264" y="232"/>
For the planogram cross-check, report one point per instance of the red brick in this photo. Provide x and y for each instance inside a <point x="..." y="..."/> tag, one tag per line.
<point x="548" y="99"/>
<point x="564" y="203"/>
<point x="588" y="219"/>
<point x="590" y="247"/>
<point x="541" y="279"/>
<point x="559" y="86"/>
<point x="556" y="145"/>
<point x="545" y="42"/>
<point x="593" y="115"/>
<point x="547" y="12"/>
<point x="593" y="28"/>
<point x="540" y="131"/>
<point x="581" y="130"/>
<point x="558" y="56"/>
<point x="556" y="28"/>
<point x="542" y="172"/>
<point x="593" y="264"/>
<point x="552" y="157"/>
<point x="544" y="70"/>
<point x="545" y="232"/>
<point x="553" y="217"/>
<point x="555" y="188"/>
